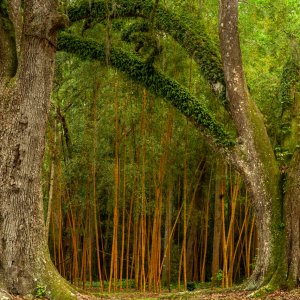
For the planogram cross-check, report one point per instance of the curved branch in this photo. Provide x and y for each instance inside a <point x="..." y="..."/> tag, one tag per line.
<point x="156" y="82"/>
<point x="198" y="46"/>
<point x="15" y="13"/>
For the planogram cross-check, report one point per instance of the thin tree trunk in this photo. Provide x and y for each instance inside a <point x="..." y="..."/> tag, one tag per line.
<point x="184" y="211"/>
<point x="206" y="229"/>
<point x="168" y="226"/>
<point x="190" y="244"/>
<point x="49" y="211"/>
<point x="123" y="221"/>
<point x="218" y="216"/>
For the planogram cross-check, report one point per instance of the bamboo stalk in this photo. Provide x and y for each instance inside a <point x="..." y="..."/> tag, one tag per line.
<point x="90" y="256"/>
<point x="206" y="229"/>
<point x="58" y="206"/>
<point x="225" y="278"/>
<point x="238" y="243"/>
<point x="123" y="221"/>
<point x="184" y="208"/>
<point x="54" y="248"/>
<point x="143" y="193"/>
<point x="49" y="212"/>
<point x="249" y="246"/>
<point x="196" y="259"/>
<point x="170" y="237"/>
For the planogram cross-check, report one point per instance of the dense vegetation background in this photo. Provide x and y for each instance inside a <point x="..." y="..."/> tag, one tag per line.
<point x="130" y="188"/>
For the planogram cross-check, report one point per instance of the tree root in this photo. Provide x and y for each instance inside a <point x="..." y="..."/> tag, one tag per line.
<point x="50" y="284"/>
<point x="278" y="281"/>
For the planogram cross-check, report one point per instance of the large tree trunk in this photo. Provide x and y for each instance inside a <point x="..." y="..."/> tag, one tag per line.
<point x="253" y="158"/>
<point x="291" y="221"/>
<point x="278" y="257"/>
<point x="24" y="106"/>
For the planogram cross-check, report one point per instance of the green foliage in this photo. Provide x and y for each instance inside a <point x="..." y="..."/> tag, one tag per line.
<point x="4" y="7"/>
<point x="106" y="284"/>
<point x="191" y="286"/>
<point x="253" y="265"/>
<point x="198" y="45"/>
<point x="290" y="76"/>
<point x="218" y="276"/>
<point x="140" y="35"/>
<point x="40" y="291"/>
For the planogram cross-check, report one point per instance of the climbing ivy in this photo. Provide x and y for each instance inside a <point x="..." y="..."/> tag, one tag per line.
<point x="288" y="128"/>
<point x="139" y="33"/>
<point x="154" y="80"/>
<point x="289" y="77"/>
<point x="197" y="44"/>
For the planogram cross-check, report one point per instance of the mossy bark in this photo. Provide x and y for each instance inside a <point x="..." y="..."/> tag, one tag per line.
<point x="290" y="120"/>
<point x="274" y="195"/>
<point x="25" y="88"/>
<point x="253" y="157"/>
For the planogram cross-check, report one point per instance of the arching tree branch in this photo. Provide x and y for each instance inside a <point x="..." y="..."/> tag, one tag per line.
<point x="8" y="54"/>
<point x="199" y="47"/>
<point x="15" y="14"/>
<point x="156" y="82"/>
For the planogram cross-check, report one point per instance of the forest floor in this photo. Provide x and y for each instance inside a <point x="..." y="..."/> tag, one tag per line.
<point x="203" y="294"/>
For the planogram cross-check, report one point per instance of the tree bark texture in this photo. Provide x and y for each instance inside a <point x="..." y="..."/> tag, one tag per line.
<point x="26" y="76"/>
<point x="292" y="219"/>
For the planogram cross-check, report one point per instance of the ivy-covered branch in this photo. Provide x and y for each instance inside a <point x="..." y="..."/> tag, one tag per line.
<point x="290" y="76"/>
<point x="197" y="44"/>
<point x="154" y="81"/>
<point x="289" y="104"/>
<point x="8" y="53"/>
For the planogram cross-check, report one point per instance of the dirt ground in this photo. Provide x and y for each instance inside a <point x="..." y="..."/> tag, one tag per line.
<point x="203" y="294"/>
<point x="206" y="295"/>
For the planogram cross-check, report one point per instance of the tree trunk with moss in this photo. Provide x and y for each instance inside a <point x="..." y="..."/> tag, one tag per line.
<point x="27" y="49"/>
<point x="26" y="73"/>
<point x="276" y="266"/>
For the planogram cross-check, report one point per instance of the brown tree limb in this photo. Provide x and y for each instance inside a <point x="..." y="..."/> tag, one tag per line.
<point x="15" y="15"/>
<point x="8" y="54"/>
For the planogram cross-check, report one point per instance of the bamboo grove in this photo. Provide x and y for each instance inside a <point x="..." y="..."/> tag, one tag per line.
<point x="133" y="196"/>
